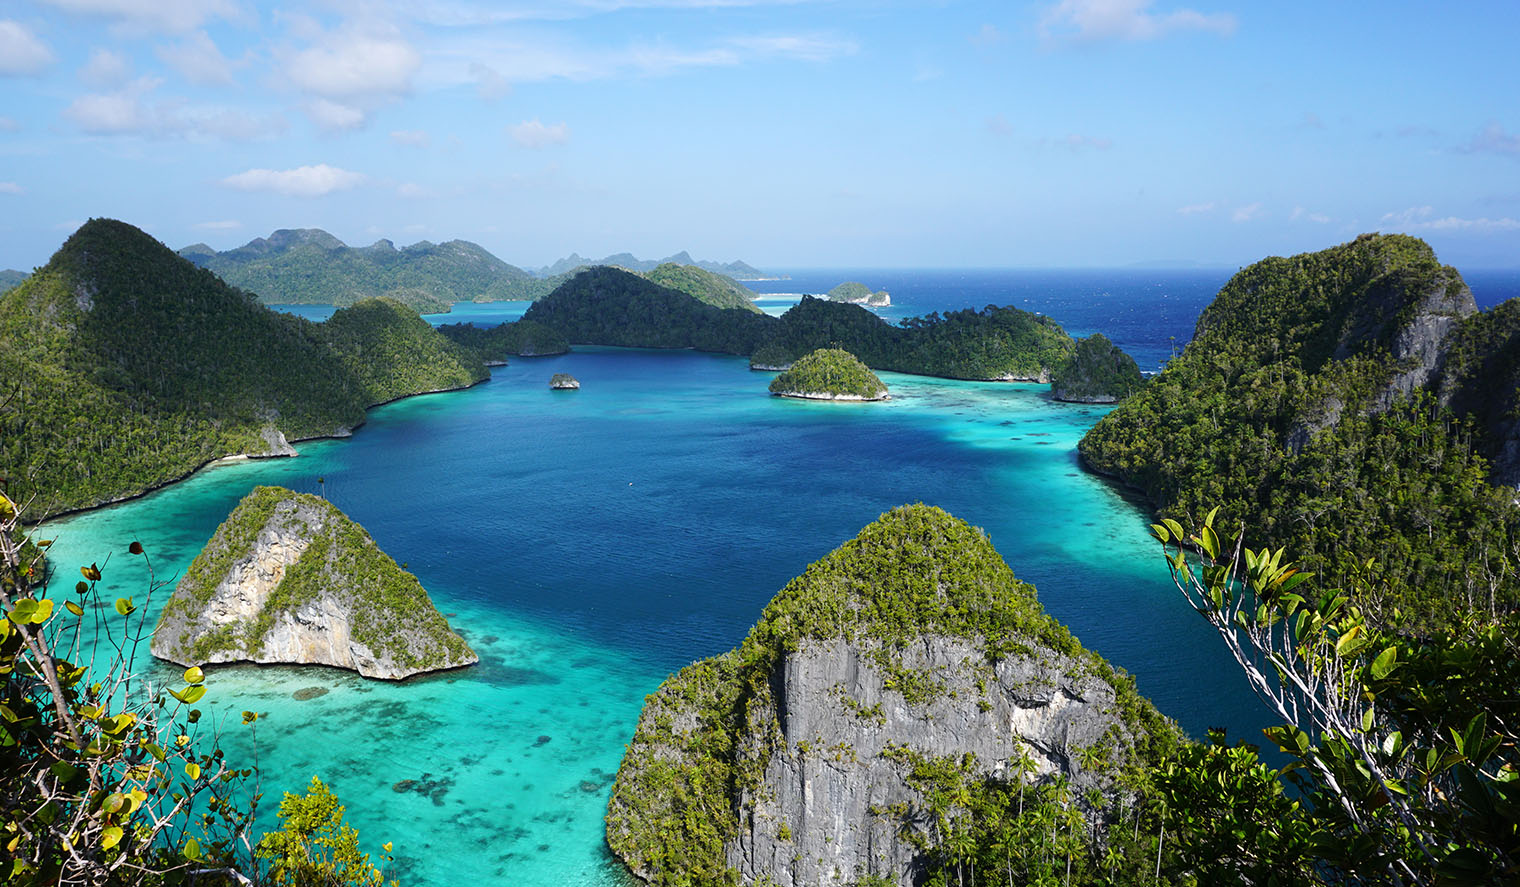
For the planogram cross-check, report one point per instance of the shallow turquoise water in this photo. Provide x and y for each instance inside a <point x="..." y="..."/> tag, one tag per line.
<point x="589" y="543"/>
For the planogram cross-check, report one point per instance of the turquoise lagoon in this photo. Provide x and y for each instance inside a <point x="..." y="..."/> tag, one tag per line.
<point x="589" y="543"/>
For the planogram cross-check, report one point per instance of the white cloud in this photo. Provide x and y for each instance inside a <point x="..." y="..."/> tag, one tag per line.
<point x="1422" y="218"/>
<point x="415" y="138"/>
<point x="413" y="191"/>
<point x="198" y="59"/>
<point x="11" y="188"/>
<point x="1494" y="140"/>
<point x="1246" y="213"/>
<point x="21" y="51"/>
<point x="334" y="116"/>
<point x="303" y="181"/>
<point x="1301" y="213"/>
<point x="1093" y="20"/>
<point x="1196" y="208"/>
<point x="175" y="16"/>
<point x="227" y="225"/>
<point x="350" y="65"/>
<point x="534" y="134"/>
<point x="105" y="69"/>
<point x="489" y="84"/>
<point x="132" y="110"/>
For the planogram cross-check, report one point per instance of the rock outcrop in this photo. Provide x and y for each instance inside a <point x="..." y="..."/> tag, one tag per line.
<point x="288" y="578"/>
<point x="829" y="374"/>
<point x="564" y="382"/>
<point x="791" y="759"/>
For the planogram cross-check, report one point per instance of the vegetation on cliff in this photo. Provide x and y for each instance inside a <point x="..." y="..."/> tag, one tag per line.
<point x="1097" y="371"/>
<point x="705" y="286"/>
<point x="1284" y="411"/>
<point x="308" y="266"/>
<point x="125" y="367"/>
<point x="520" y="338"/>
<point x="915" y="572"/>
<point x="394" y="353"/>
<point x="829" y="373"/>
<point x="387" y="609"/>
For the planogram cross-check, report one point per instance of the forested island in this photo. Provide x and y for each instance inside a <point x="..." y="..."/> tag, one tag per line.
<point x="737" y="270"/>
<point x="609" y="306"/>
<point x="128" y="367"/>
<point x="829" y="374"/>
<point x="308" y="266"/>
<point x="857" y="293"/>
<point x="1350" y="404"/>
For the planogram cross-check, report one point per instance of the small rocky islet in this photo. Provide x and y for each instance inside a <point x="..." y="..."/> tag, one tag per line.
<point x="290" y="579"/>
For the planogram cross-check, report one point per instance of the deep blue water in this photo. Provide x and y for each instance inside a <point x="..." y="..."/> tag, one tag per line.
<point x="589" y="543"/>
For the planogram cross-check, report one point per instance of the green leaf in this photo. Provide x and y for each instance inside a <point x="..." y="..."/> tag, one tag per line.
<point x="22" y="611"/>
<point x="124" y="606"/>
<point x="192" y="849"/>
<point x="194" y="675"/>
<point x="1161" y="533"/>
<point x="1175" y="527"/>
<point x="192" y="770"/>
<point x="1384" y="663"/>
<point x="110" y="837"/>
<point x="74" y="608"/>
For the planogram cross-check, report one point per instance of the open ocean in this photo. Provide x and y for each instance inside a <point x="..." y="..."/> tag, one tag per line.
<point x="587" y="544"/>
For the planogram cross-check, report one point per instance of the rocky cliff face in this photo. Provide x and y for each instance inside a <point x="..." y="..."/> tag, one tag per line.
<point x="288" y="578"/>
<point x="838" y="763"/>
<point x="792" y="759"/>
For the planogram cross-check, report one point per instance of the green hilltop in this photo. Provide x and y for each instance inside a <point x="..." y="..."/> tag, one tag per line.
<point x="1346" y="404"/>
<point x="704" y="286"/>
<point x="829" y="373"/>
<point x="308" y="266"/>
<point x="127" y="367"/>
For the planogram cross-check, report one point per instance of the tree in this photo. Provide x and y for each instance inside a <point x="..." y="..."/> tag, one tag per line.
<point x="1404" y="749"/>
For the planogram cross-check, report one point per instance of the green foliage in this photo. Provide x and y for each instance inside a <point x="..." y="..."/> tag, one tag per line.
<point x="1279" y="413"/>
<point x="705" y="286"/>
<point x="703" y="739"/>
<point x="1097" y="371"/>
<point x="100" y="782"/>
<point x="315" y="847"/>
<point x="829" y="371"/>
<point x="124" y="367"/>
<point x="524" y="338"/>
<point x="1404" y="750"/>
<point x="310" y="266"/>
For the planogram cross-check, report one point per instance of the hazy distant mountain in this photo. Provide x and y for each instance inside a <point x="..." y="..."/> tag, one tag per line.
<point x="310" y="266"/>
<point x="736" y="270"/>
<point x="9" y="279"/>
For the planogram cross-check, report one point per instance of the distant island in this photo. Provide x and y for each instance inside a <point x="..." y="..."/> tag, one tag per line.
<point x="288" y="578"/>
<point x="10" y="279"/>
<point x="308" y="266"/>
<point x="737" y="270"/>
<point x="829" y="374"/>
<point x="610" y="306"/>
<point x="127" y="367"/>
<point x="859" y="294"/>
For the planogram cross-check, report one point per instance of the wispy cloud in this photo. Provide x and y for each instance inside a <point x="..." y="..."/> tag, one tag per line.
<point x="1424" y="218"/>
<point x="807" y="47"/>
<point x="224" y="225"/>
<point x="987" y="35"/>
<point x="11" y="188"/>
<point x="534" y="134"/>
<point x="1247" y="213"/>
<point x="303" y="181"/>
<point x="1194" y="209"/>
<point x="414" y="138"/>
<point x="104" y="69"/>
<point x="21" y="51"/>
<point x="1493" y="140"/>
<point x="1076" y="142"/>
<point x="135" y="110"/>
<point x="1299" y="213"/>
<point x="1094" y="20"/>
<point x="998" y="125"/>
<point x="198" y="59"/>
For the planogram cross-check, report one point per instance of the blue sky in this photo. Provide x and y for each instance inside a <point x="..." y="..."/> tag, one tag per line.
<point x="789" y="134"/>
